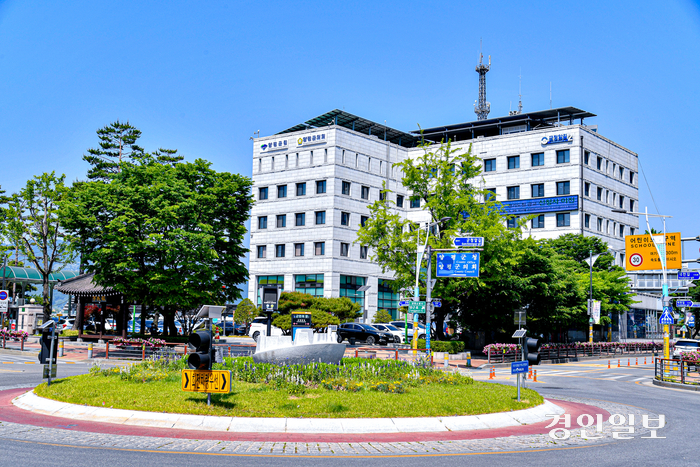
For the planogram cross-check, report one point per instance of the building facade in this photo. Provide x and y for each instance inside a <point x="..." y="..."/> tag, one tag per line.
<point x="314" y="183"/>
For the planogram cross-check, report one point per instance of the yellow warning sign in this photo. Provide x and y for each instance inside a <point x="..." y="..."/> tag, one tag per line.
<point x="212" y="381"/>
<point x="641" y="254"/>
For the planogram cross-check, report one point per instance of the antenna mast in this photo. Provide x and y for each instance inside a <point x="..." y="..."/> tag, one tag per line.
<point x="483" y="108"/>
<point x="520" y="97"/>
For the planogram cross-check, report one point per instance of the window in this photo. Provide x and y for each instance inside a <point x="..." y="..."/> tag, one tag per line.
<point x="346" y="188"/>
<point x="363" y="252"/>
<point x="279" y="251"/>
<point x="262" y="193"/>
<point x="587" y="189"/>
<point x="320" y="186"/>
<point x="631" y="205"/>
<point x="297" y="162"/>
<point x="298" y="249"/>
<point x="538" y="222"/>
<point x="365" y="192"/>
<point x="622" y="173"/>
<point x="300" y="219"/>
<point x="514" y="162"/>
<point x="607" y="196"/>
<point x="415" y="202"/>
<point x="632" y="230"/>
<point x="631" y="177"/>
<point x="320" y="217"/>
<point x="369" y="164"/>
<point x="311" y="158"/>
<point x="562" y="156"/>
<point x="325" y="156"/>
<point x="387" y="299"/>
<point x="622" y="231"/>
<point x="563" y="188"/>
<point x="382" y="195"/>
<point x="260" y="165"/>
<point x="344" y="249"/>
<point x="282" y="191"/>
<point x="344" y="218"/>
<point x="512" y="222"/>
<point x="320" y="248"/>
<point x="599" y="163"/>
<point x="607" y="167"/>
<point x="490" y="165"/>
<point x="607" y="227"/>
<point x="311" y="284"/>
<point x="272" y="163"/>
<point x="363" y="220"/>
<point x="281" y="221"/>
<point x="600" y="194"/>
<point x="600" y="225"/>
<point x="614" y="169"/>
<point x="586" y="157"/>
<point x="538" y="159"/>
<point x="563" y="219"/>
<point x="269" y="280"/>
<point x="301" y="189"/>
<point x="399" y="201"/>
<point x="538" y="190"/>
<point x="622" y="202"/>
<point x="262" y="222"/>
<point x="513" y="192"/>
<point x="349" y="286"/>
<point x="587" y="221"/>
<point x="286" y="161"/>
<point x="262" y="251"/>
<point x="490" y="194"/>
<point x="342" y="158"/>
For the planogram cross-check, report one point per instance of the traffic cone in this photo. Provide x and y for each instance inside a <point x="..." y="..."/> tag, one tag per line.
<point x="636" y="361"/>
<point x="535" y="379"/>
<point x="608" y="364"/>
<point x="530" y="375"/>
<point x="628" y="362"/>
<point x="492" y="372"/>
<point x="645" y="360"/>
<point x="618" y="363"/>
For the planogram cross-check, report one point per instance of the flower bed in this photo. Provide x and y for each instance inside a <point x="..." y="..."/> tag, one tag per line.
<point x="9" y="334"/>
<point x="138" y="342"/>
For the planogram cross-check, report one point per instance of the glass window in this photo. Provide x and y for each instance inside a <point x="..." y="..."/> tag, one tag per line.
<point x="387" y="299"/>
<point x="399" y="201"/>
<point x="490" y="165"/>
<point x="262" y="251"/>
<point x="311" y="284"/>
<point x="538" y="159"/>
<point x="320" y="186"/>
<point x="513" y="222"/>
<point x="632" y="177"/>
<point x="587" y="221"/>
<point x="262" y="193"/>
<point x="514" y="162"/>
<point x="269" y="280"/>
<point x="298" y="249"/>
<point x="490" y="194"/>
<point x="538" y="190"/>
<point x="600" y="225"/>
<point x="622" y="231"/>
<point x="622" y="173"/>
<point x="282" y="191"/>
<point x="622" y="202"/>
<point x="349" y="286"/>
<point x="320" y="217"/>
<point x="363" y="220"/>
<point x="599" y="195"/>
<point x="346" y="188"/>
<point x="281" y="221"/>
<point x="262" y="222"/>
<point x="563" y="219"/>
<point x="631" y="205"/>
<point x="363" y="252"/>
<point x="513" y="192"/>
<point x="599" y="163"/>
<point x="344" y="249"/>
<point x="415" y="202"/>
<point x="365" y="192"/>
<point x="563" y="188"/>
<point x="301" y="189"/>
<point x="279" y="251"/>
<point x="587" y="189"/>
<point x="382" y="195"/>
<point x="586" y="157"/>
<point x="344" y="218"/>
<point x="562" y="156"/>
<point x="632" y="230"/>
<point x="538" y="222"/>
<point x="300" y="219"/>
<point x="320" y="248"/>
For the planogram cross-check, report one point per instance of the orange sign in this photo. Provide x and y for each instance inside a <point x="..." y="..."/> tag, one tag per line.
<point x="641" y="254"/>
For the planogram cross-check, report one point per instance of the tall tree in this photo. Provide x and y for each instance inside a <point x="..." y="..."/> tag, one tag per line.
<point x="34" y="222"/>
<point x="167" y="235"/>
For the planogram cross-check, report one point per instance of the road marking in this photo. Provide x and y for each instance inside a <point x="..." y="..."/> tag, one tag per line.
<point x="614" y="377"/>
<point x="640" y="379"/>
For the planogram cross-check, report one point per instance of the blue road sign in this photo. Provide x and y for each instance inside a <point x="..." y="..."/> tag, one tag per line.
<point x="3" y="294"/>
<point x="437" y="304"/>
<point x="469" y="241"/>
<point x="682" y="303"/>
<point x="403" y="303"/>
<point x="695" y="305"/>
<point x="518" y="367"/>
<point x="691" y="320"/>
<point x="689" y="275"/>
<point x="666" y="316"/>
<point x="458" y="264"/>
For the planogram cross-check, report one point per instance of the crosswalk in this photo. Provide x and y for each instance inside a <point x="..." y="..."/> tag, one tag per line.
<point x="14" y="359"/>
<point x="633" y="376"/>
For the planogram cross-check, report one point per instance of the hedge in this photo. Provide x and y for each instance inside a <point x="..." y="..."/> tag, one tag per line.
<point x="443" y="346"/>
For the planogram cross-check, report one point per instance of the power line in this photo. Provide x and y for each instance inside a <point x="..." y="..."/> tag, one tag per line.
<point x="648" y="187"/>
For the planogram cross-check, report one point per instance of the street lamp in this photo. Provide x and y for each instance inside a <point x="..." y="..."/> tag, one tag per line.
<point x="655" y="240"/>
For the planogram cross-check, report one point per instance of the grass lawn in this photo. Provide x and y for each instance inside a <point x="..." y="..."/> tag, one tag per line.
<point x="262" y="400"/>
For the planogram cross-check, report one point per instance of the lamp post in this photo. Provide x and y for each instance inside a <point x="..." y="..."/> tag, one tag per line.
<point x="664" y="288"/>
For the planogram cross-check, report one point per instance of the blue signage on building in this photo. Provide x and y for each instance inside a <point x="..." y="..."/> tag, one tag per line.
<point x="553" y="139"/>
<point x="537" y="205"/>
<point x="689" y="275"/>
<point x="458" y="264"/>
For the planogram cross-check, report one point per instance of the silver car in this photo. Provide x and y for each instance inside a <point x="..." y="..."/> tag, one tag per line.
<point x="685" y="345"/>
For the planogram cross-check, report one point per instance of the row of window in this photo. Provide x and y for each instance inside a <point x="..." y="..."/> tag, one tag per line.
<point x="536" y="190"/>
<point x="603" y="195"/>
<point x="604" y="165"/>
<point x="319" y="249"/>
<point x="608" y="227"/>
<point x="563" y="220"/>
<point x="536" y="160"/>
<point x="264" y="193"/>
<point x="293" y="161"/>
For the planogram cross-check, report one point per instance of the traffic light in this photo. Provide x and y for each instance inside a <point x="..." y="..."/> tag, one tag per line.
<point x="533" y="347"/>
<point x="46" y="343"/>
<point x="203" y="356"/>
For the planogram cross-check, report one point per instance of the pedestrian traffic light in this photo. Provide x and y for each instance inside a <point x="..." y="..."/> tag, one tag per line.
<point x="46" y="342"/>
<point x="203" y="356"/>
<point x="533" y="347"/>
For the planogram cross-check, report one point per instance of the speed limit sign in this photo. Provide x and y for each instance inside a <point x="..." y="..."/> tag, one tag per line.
<point x="636" y="260"/>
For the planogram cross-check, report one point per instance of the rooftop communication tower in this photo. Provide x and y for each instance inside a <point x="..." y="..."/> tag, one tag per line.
<point x="483" y="108"/>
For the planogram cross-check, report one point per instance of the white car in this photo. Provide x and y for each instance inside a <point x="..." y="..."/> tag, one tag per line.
<point x="399" y="334"/>
<point x="259" y="326"/>
<point x="401" y="326"/>
<point x="685" y="345"/>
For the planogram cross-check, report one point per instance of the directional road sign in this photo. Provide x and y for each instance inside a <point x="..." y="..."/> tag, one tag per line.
<point x="695" y="305"/>
<point x="404" y="302"/>
<point x="437" y="303"/>
<point x="474" y="242"/>
<point x="416" y="307"/>
<point x="210" y="381"/>
<point x="689" y="275"/>
<point x="666" y="316"/>
<point x="682" y="303"/>
<point x="518" y="367"/>
<point x="458" y="264"/>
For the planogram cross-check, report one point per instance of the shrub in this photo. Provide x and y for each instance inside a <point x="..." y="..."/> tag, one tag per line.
<point x="443" y="346"/>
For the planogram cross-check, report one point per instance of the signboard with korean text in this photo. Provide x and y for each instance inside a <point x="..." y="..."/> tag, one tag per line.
<point x="416" y="307"/>
<point x="311" y="139"/>
<point x="278" y="145"/>
<point x="641" y="254"/>
<point x="458" y="264"/>
<point x="210" y="381"/>
<point x="539" y="205"/>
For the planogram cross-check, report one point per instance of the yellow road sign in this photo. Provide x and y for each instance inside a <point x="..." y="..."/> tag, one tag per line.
<point x="212" y="381"/>
<point x="641" y="255"/>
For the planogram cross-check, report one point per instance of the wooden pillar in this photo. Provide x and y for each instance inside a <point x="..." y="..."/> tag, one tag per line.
<point x="103" y="309"/>
<point x="81" y="314"/>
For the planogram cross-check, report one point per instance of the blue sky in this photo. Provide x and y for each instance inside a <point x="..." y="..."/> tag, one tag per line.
<point x="203" y="76"/>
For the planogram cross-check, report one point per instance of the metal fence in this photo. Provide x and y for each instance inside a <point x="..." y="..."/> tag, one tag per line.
<point x="507" y="356"/>
<point x="677" y="371"/>
<point x="169" y="351"/>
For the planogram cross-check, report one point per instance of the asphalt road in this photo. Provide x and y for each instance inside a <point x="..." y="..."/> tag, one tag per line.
<point x="591" y="381"/>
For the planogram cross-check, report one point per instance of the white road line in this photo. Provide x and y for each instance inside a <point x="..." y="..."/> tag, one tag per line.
<point x="616" y="377"/>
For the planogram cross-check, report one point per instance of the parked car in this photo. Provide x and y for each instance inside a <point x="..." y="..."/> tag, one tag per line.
<point x="685" y="345"/>
<point x="399" y="334"/>
<point x="363" y="332"/>
<point x="401" y="326"/>
<point x="259" y="326"/>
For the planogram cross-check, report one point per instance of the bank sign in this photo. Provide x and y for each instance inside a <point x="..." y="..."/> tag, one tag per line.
<point x="311" y="139"/>
<point x="539" y="205"/>
<point x="554" y="139"/>
<point x="274" y="145"/>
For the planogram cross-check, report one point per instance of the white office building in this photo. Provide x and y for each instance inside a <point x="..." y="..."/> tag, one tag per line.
<point x="313" y="184"/>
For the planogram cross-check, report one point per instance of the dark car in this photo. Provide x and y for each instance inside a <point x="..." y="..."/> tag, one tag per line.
<point x="363" y="332"/>
<point x="237" y="329"/>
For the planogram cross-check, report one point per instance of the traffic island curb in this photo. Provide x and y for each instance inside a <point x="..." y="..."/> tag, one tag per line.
<point x="669" y="384"/>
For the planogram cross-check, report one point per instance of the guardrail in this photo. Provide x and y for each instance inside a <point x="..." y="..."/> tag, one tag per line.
<point x="507" y="356"/>
<point x="677" y="371"/>
<point x="169" y="351"/>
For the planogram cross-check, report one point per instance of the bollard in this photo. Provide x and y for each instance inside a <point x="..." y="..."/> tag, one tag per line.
<point x="107" y="350"/>
<point x="636" y="361"/>
<point x="618" y="363"/>
<point x="469" y="359"/>
<point x="431" y="359"/>
<point x="60" y="348"/>
<point x="529" y="376"/>
<point x="535" y="380"/>
<point x="355" y="353"/>
<point x="185" y="352"/>
<point x="143" y="351"/>
<point x="3" y="341"/>
<point x="446" y="361"/>
<point x="492" y="373"/>
<point x="396" y="355"/>
<point x="645" y="360"/>
<point x="608" y="364"/>
<point x="229" y="350"/>
<point x="21" y="343"/>
<point x="628" y="361"/>
<point x="90" y="350"/>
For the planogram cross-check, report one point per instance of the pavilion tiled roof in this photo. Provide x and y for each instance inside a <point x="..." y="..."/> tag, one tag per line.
<point x="83" y="285"/>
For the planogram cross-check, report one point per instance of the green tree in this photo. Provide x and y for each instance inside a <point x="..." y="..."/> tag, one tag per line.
<point x="246" y="311"/>
<point x="319" y="320"/>
<point x="382" y="316"/>
<point x="165" y="235"/>
<point x="340" y="307"/>
<point x="578" y="247"/>
<point x="34" y="223"/>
